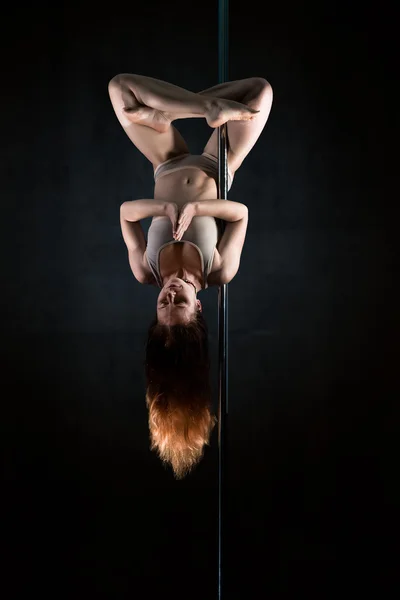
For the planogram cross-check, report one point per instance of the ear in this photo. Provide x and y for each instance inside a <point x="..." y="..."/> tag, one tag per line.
<point x="199" y="305"/>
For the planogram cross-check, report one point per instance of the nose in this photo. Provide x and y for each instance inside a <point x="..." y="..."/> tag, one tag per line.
<point x="171" y="293"/>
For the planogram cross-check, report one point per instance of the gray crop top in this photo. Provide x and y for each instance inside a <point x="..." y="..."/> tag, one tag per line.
<point x="203" y="233"/>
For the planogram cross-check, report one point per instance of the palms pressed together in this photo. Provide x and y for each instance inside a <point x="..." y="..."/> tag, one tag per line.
<point x="180" y="219"/>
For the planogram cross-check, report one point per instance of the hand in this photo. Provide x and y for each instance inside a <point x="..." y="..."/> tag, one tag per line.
<point x="172" y="212"/>
<point x="188" y="211"/>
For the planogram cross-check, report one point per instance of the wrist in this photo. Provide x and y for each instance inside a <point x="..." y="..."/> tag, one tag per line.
<point x="136" y="210"/>
<point x="168" y="208"/>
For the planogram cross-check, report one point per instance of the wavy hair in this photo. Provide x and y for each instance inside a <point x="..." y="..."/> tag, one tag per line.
<point x="178" y="393"/>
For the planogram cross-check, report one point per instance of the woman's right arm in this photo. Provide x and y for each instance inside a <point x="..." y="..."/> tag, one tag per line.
<point x="231" y="243"/>
<point x="227" y="210"/>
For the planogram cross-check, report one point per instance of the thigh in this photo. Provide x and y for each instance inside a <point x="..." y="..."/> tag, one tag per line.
<point x="155" y="146"/>
<point x="242" y="135"/>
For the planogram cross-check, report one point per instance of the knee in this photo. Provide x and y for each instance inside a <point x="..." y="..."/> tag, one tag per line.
<point x="263" y="84"/>
<point x="118" y="80"/>
<point x="114" y="82"/>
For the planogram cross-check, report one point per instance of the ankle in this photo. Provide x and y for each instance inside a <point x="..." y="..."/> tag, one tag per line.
<point x="211" y="106"/>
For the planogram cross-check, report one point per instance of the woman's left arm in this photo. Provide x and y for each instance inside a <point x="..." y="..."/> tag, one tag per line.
<point x="132" y="232"/>
<point x="136" y="210"/>
<point x="131" y="213"/>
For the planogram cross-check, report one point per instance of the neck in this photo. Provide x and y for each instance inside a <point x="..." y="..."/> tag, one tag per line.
<point x="184" y="273"/>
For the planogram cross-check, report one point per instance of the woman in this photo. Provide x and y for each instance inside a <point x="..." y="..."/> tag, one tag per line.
<point x="187" y="250"/>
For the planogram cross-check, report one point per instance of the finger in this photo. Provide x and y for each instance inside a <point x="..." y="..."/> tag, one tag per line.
<point x="180" y="232"/>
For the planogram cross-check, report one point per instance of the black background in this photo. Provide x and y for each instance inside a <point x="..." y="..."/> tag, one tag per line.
<point x="312" y="469"/>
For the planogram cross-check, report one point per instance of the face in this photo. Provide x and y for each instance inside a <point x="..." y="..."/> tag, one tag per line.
<point x="177" y="303"/>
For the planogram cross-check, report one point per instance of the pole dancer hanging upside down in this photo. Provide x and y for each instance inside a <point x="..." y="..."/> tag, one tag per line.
<point x="186" y="251"/>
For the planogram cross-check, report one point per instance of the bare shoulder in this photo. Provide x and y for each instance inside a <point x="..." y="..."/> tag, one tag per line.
<point x="228" y="252"/>
<point x="220" y="277"/>
<point x="140" y="268"/>
<point x="230" y="247"/>
<point x="215" y="275"/>
<point x="148" y="277"/>
<point x="214" y="279"/>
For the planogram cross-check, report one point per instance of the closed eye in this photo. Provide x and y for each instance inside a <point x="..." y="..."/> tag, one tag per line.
<point x="181" y="304"/>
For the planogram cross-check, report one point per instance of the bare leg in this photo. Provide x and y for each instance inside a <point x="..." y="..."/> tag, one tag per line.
<point x="157" y="103"/>
<point x="254" y="92"/>
<point x="241" y="90"/>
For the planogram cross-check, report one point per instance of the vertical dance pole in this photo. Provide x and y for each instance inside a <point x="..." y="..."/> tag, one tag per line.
<point x="222" y="296"/>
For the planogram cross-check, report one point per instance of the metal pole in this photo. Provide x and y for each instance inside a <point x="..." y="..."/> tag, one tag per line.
<point x="222" y="296"/>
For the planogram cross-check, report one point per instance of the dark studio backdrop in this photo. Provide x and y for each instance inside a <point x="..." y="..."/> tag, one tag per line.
<point x="88" y="510"/>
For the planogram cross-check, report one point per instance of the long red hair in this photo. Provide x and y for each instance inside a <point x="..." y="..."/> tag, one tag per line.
<point x="178" y="393"/>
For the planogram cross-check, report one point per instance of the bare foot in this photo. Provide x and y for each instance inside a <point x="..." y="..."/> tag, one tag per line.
<point x="222" y="110"/>
<point x="150" y="117"/>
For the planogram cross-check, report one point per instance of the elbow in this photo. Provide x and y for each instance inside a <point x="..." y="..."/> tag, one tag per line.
<point x="127" y="211"/>
<point x="116" y="82"/>
<point x="244" y="212"/>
